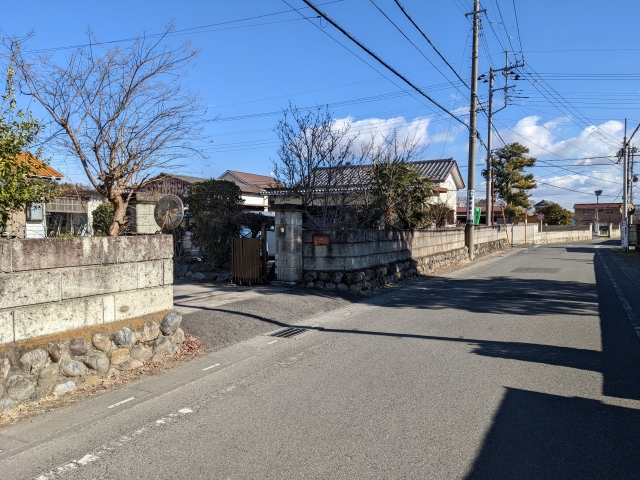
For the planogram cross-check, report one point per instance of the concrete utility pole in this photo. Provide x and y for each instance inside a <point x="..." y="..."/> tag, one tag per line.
<point x="489" y="202"/>
<point x="471" y="183"/>
<point x="624" y="226"/>
<point x="505" y="71"/>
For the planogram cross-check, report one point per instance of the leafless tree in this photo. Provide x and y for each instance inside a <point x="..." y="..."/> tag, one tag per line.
<point x="344" y="180"/>
<point x="312" y="157"/>
<point x="124" y="112"/>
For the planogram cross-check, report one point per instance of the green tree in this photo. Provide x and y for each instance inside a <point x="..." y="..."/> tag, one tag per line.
<point x="400" y="194"/>
<point x="19" y="132"/>
<point x="554" y="214"/>
<point x="511" y="183"/>
<point x="102" y="219"/>
<point x="213" y="205"/>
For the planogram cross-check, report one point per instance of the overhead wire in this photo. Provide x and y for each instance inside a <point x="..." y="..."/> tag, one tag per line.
<point x="382" y="62"/>
<point x="406" y="14"/>
<point x="418" y="49"/>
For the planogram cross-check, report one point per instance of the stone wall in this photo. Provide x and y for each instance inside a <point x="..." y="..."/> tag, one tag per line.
<point x="364" y="259"/>
<point x="54" y="285"/>
<point x="57" y="365"/>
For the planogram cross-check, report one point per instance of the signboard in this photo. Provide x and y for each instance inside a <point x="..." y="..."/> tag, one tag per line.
<point x="624" y="238"/>
<point x="320" y="240"/>
<point x="470" y="204"/>
<point x="476" y="215"/>
<point x="540" y="217"/>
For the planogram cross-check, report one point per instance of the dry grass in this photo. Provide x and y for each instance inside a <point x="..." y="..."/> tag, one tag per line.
<point x="191" y="348"/>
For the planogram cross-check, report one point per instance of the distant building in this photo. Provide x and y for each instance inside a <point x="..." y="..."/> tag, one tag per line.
<point x="251" y="186"/>
<point x="31" y="223"/>
<point x="608" y="213"/>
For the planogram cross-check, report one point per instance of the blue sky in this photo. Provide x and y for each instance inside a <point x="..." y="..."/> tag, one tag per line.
<point x="582" y="76"/>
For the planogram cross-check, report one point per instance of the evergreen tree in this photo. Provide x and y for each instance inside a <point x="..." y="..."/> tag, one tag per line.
<point x="511" y="183"/>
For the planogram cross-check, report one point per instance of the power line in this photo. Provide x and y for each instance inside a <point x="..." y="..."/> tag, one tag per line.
<point x="415" y="46"/>
<point x="430" y="42"/>
<point x="177" y="32"/>
<point x="357" y="56"/>
<point x="386" y="65"/>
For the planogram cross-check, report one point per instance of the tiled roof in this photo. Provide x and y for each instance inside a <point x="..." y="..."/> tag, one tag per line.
<point x="185" y="178"/>
<point x="38" y="168"/>
<point x="358" y="175"/>
<point x="597" y="205"/>
<point x="253" y="180"/>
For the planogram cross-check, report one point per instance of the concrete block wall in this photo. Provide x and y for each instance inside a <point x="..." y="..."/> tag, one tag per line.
<point x="351" y="250"/>
<point x="54" y="285"/>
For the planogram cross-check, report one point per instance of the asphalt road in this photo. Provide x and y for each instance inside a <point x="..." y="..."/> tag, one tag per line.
<point x="526" y="365"/>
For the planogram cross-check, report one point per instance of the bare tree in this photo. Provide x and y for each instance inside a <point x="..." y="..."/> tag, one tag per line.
<point x="313" y="154"/>
<point x="124" y="112"/>
<point x="341" y="183"/>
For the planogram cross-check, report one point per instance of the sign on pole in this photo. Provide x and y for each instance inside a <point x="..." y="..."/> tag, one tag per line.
<point x="540" y="216"/>
<point x="470" y="206"/>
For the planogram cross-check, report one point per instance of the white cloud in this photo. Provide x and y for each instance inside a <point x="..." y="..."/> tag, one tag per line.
<point x="417" y="128"/>
<point x="549" y="139"/>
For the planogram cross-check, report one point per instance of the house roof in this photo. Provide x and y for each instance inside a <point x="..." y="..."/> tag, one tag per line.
<point x="250" y="182"/>
<point x="596" y="205"/>
<point x="359" y="175"/>
<point x="185" y="178"/>
<point x="544" y="203"/>
<point x="37" y="167"/>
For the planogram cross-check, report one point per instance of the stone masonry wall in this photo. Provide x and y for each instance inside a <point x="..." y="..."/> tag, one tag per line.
<point x="54" y="285"/>
<point x="358" y="260"/>
<point x="74" y="309"/>
<point x="56" y="365"/>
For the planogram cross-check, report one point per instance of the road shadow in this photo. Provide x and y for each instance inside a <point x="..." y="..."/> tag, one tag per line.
<point x="618" y="362"/>
<point x="538" y="435"/>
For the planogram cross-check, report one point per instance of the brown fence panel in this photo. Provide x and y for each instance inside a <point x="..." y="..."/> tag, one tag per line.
<point x="245" y="260"/>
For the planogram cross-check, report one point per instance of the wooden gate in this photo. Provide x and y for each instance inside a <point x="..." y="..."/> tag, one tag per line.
<point x="245" y="260"/>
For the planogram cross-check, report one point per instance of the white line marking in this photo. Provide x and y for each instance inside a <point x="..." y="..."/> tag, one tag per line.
<point x="87" y="459"/>
<point x="212" y="366"/>
<point x="272" y="342"/>
<point x="627" y="308"/>
<point x="348" y="313"/>
<point x="122" y="402"/>
<point x="314" y="326"/>
<point x="185" y="410"/>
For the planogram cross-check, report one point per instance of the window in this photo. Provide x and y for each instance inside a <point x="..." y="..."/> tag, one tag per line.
<point x="586" y="212"/>
<point x="609" y="212"/>
<point x="34" y="212"/>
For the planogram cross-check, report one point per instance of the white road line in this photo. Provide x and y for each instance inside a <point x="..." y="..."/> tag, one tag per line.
<point x="122" y="402"/>
<point x="185" y="410"/>
<point x="212" y="366"/>
<point x="272" y="342"/>
<point x="87" y="459"/>
<point x="625" y="304"/>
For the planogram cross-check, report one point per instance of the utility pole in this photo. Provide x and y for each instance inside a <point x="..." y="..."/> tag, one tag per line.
<point x="505" y="71"/>
<point x="624" y="234"/>
<point x="489" y="202"/>
<point x="624" y="237"/>
<point x="471" y="183"/>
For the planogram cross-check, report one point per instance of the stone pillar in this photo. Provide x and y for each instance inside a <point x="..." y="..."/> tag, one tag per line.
<point x="289" y="245"/>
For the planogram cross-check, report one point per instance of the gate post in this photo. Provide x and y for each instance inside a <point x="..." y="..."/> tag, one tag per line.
<point x="288" y="243"/>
